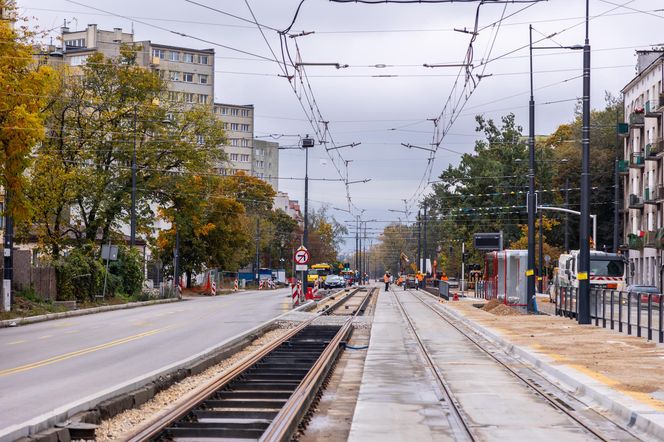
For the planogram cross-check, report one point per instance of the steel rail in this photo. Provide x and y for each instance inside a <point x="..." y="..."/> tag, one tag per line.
<point x="530" y="384"/>
<point x="154" y="426"/>
<point x="285" y="423"/>
<point x="452" y="400"/>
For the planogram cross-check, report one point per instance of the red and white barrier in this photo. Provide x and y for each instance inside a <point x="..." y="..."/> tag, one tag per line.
<point x="260" y="285"/>
<point x="235" y="285"/>
<point x="213" y="286"/>
<point x="295" y="297"/>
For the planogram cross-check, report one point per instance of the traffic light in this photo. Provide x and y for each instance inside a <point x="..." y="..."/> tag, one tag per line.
<point x="464" y="256"/>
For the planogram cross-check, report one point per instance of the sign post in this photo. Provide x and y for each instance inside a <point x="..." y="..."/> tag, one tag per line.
<point x="301" y="260"/>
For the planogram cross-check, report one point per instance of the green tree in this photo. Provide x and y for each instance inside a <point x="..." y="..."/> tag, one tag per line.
<point x="325" y="236"/>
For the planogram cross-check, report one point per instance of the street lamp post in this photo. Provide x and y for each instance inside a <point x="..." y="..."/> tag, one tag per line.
<point x="307" y="143"/>
<point x="584" y="249"/>
<point x="132" y="236"/>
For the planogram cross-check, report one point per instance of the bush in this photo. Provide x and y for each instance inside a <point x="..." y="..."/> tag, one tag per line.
<point x="79" y="276"/>
<point x="129" y="270"/>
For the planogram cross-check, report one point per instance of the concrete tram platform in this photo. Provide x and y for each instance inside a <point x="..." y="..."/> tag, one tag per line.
<point x="609" y="371"/>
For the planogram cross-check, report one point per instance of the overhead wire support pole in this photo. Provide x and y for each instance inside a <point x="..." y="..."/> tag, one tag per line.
<point x="132" y="236"/>
<point x="584" y="248"/>
<point x="530" y="271"/>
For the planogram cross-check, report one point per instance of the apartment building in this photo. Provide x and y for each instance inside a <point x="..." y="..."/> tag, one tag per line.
<point x="291" y="207"/>
<point x="266" y="162"/>
<point x="189" y="73"/>
<point x="642" y="169"/>
<point x="239" y="127"/>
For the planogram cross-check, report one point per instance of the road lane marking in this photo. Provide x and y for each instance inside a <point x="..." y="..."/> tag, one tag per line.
<point x="45" y="337"/>
<point x="81" y="352"/>
<point x="63" y="324"/>
<point x="16" y="342"/>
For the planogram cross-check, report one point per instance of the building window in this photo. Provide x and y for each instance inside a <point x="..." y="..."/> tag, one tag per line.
<point x="77" y="43"/>
<point x="244" y="142"/>
<point x="260" y="164"/>
<point x="159" y="53"/>
<point x="174" y="76"/>
<point x="245" y="112"/>
<point x="2" y="215"/>
<point x="234" y="112"/>
<point x="174" y="56"/>
<point x="244" y="158"/>
<point x="173" y="96"/>
<point x="203" y="59"/>
<point x="159" y="73"/>
<point x="224" y="111"/>
<point x="188" y="97"/>
<point x="188" y="77"/>
<point x="202" y="79"/>
<point x="234" y="142"/>
<point x="202" y="99"/>
<point x="187" y="57"/>
<point x="259" y="152"/>
<point x="234" y="157"/>
<point x="78" y="60"/>
<point x="225" y="126"/>
<point x="200" y="140"/>
<point x="234" y="126"/>
<point x="244" y="127"/>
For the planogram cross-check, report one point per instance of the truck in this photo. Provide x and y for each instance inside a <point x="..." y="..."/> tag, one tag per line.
<point x="607" y="271"/>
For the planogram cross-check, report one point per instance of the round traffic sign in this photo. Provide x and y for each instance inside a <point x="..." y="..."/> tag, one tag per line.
<point x="301" y="256"/>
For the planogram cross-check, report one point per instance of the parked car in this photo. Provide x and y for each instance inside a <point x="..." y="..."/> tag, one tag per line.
<point x="334" y="281"/>
<point x="411" y="281"/>
<point x="645" y="291"/>
<point x="453" y="283"/>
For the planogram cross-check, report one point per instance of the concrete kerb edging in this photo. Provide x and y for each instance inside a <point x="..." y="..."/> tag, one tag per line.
<point x="634" y="413"/>
<point x="86" y="311"/>
<point x="62" y="414"/>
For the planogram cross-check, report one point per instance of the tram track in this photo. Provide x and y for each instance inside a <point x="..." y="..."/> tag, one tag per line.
<point x="266" y="395"/>
<point x="587" y="418"/>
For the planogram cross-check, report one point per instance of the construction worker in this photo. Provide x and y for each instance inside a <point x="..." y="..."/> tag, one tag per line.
<point x="444" y="277"/>
<point x="420" y="278"/>
<point x="386" y="280"/>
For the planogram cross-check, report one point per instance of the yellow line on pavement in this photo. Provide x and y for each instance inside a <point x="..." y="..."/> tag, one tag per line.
<point x="81" y="352"/>
<point x="16" y="342"/>
<point x="45" y="337"/>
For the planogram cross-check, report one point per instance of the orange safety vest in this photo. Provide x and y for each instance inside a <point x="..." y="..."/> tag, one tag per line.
<point x="386" y="279"/>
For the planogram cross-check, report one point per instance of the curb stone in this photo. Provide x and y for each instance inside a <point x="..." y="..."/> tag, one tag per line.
<point x="634" y="413"/>
<point x="86" y="311"/>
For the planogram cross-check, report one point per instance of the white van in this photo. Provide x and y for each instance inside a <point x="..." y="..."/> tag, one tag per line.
<point x="607" y="271"/>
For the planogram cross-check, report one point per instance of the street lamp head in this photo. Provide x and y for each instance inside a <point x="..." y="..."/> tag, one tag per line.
<point x="575" y="47"/>
<point x="307" y="142"/>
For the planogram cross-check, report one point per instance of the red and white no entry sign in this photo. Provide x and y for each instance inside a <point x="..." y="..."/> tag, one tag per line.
<point x="301" y="256"/>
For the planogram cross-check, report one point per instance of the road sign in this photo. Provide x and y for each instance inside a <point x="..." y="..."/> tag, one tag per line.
<point x="301" y="267"/>
<point x="301" y="255"/>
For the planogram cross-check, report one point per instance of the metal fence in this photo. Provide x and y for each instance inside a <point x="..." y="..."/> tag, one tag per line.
<point x="628" y="312"/>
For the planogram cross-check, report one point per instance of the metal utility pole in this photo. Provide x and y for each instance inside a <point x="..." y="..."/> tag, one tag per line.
<point x="530" y="271"/>
<point x="8" y="260"/>
<point x="426" y="251"/>
<point x="419" y="241"/>
<point x="540" y="272"/>
<point x="132" y="235"/>
<point x="257" y="262"/>
<point x="176" y="260"/>
<point x="307" y="143"/>
<point x="616" y="191"/>
<point x="357" y="243"/>
<point x="566" y="215"/>
<point x="584" y="239"/>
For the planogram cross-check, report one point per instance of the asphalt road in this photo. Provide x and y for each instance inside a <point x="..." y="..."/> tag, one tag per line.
<point x="51" y="364"/>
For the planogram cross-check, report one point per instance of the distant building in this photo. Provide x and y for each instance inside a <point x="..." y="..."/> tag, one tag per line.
<point x="239" y="126"/>
<point x="291" y="207"/>
<point x="641" y="169"/>
<point x="266" y="162"/>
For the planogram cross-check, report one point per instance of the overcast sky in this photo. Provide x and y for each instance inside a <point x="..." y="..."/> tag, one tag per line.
<point x="383" y="112"/>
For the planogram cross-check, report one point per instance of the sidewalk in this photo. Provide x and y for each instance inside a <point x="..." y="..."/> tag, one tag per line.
<point x="619" y="373"/>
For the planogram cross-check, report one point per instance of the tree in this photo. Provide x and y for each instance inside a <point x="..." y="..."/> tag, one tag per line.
<point x="24" y="87"/>
<point x="95" y="117"/>
<point x="325" y="236"/>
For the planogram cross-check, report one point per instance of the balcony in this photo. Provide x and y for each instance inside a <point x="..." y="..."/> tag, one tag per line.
<point x="636" y="160"/>
<point x="657" y="147"/>
<point x="651" y="239"/>
<point x="622" y="129"/>
<point x="623" y="167"/>
<point x="651" y="154"/>
<point x="658" y="194"/>
<point x="652" y="109"/>
<point x="634" y="242"/>
<point x="661" y="101"/>
<point x="635" y="202"/>
<point x="636" y="119"/>
<point x="649" y="197"/>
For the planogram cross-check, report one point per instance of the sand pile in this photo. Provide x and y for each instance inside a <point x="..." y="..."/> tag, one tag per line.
<point x="491" y="305"/>
<point x="503" y="310"/>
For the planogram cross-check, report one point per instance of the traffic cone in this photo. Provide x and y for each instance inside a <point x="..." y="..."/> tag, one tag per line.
<point x="456" y="297"/>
